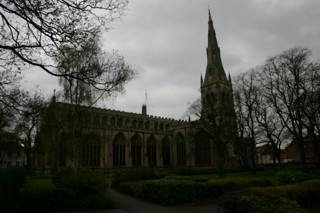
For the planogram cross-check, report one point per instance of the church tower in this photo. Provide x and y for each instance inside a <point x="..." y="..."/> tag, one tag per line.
<point x="216" y="90"/>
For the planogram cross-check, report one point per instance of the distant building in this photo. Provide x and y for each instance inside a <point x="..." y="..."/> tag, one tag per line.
<point x="264" y="154"/>
<point x="78" y="136"/>
<point x="311" y="146"/>
<point x="11" y="152"/>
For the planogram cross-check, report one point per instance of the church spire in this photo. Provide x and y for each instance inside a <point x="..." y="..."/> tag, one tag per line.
<point x="214" y="70"/>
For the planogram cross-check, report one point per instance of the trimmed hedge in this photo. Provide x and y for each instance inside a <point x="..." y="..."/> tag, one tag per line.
<point x="251" y="201"/>
<point x="165" y="191"/>
<point x="284" y="198"/>
<point x="133" y="175"/>
<point x="217" y="187"/>
<point x="293" y="176"/>
<point x="313" y="189"/>
<point x="169" y="192"/>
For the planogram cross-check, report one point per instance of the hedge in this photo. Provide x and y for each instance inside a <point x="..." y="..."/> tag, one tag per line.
<point x="284" y="198"/>
<point x="252" y="201"/>
<point x="217" y="187"/>
<point x="165" y="191"/>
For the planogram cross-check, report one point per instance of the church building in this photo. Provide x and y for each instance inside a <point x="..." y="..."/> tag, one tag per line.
<point x="103" y="139"/>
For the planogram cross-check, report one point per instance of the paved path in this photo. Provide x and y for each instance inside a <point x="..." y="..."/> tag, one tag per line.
<point x="128" y="204"/>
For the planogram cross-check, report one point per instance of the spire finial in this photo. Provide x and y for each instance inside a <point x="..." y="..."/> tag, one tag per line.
<point x="54" y="96"/>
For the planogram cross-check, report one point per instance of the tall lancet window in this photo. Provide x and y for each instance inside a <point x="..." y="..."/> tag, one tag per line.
<point x="119" y="150"/>
<point x="152" y="151"/>
<point x="136" y="142"/>
<point x="165" y="145"/>
<point x="202" y="148"/>
<point x="181" y="150"/>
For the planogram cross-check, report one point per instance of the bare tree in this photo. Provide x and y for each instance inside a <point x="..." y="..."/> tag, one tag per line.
<point x="27" y="126"/>
<point x="285" y="81"/>
<point x="272" y="128"/>
<point x="246" y="95"/>
<point x="34" y="32"/>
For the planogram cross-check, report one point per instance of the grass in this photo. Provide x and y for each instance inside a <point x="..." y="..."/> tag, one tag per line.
<point x="38" y="184"/>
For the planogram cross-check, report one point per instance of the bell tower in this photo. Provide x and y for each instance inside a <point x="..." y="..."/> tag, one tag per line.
<point x="216" y="89"/>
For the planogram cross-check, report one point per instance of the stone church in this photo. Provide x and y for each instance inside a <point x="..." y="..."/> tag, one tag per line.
<point x="104" y="139"/>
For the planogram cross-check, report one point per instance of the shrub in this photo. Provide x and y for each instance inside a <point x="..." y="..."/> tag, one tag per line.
<point x="169" y="192"/>
<point x="94" y="201"/>
<point x="292" y="176"/>
<point x="72" y="190"/>
<point x="82" y="183"/>
<point x="135" y="188"/>
<point x="185" y="171"/>
<point x="294" y="192"/>
<point x="11" y="180"/>
<point x="313" y="190"/>
<point x="248" y="201"/>
<point x="217" y="187"/>
<point x="133" y="175"/>
<point x="165" y="191"/>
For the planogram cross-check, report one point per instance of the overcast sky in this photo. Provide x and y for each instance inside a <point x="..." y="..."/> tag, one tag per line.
<point x="165" y="42"/>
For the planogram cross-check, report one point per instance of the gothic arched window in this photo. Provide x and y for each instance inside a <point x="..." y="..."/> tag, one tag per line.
<point x="152" y="151"/>
<point x="119" y="150"/>
<point x="63" y="149"/>
<point x="134" y="124"/>
<point x="96" y="120"/>
<point x="105" y="121"/>
<point x="202" y="148"/>
<point x="165" y="144"/>
<point x="136" y="150"/>
<point x="181" y="150"/>
<point x="90" y="155"/>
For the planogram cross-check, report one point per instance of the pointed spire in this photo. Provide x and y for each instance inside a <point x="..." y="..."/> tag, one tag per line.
<point x="210" y="19"/>
<point x="214" y="70"/>
<point x="201" y="79"/>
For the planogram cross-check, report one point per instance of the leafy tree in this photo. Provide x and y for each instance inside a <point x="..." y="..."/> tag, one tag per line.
<point x="34" y="32"/>
<point x="88" y="59"/>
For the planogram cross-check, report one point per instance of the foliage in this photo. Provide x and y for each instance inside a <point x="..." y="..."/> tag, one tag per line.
<point x="171" y="192"/>
<point x="185" y="171"/>
<point x="69" y="190"/>
<point x="81" y="182"/>
<point x="218" y="187"/>
<point x="313" y="189"/>
<point x="133" y="174"/>
<point x="135" y="188"/>
<point x="90" y="60"/>
<point x="165" y="191"/>
<point x="290" y="176"/>
<point x="248" y="201"/>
